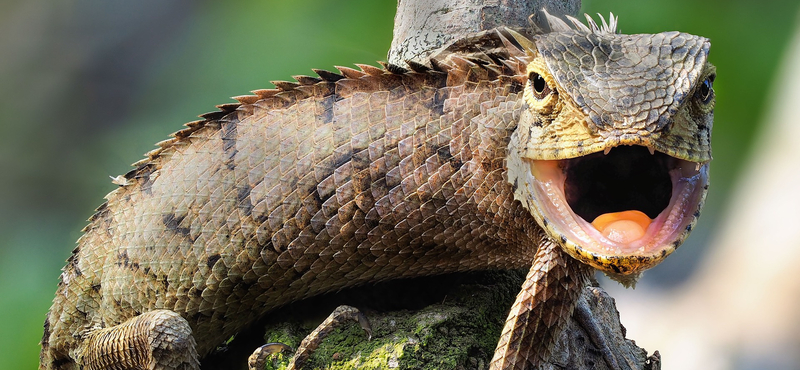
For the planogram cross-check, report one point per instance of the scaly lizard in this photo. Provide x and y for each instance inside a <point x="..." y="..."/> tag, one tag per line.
<point x="576" y="150"/>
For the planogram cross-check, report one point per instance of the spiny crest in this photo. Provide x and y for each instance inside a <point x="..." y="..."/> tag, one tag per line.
<point x="366" y="77"/>
<point x="559" y="25"/>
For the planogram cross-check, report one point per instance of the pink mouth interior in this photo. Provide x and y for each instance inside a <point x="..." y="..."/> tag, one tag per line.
<point x="627" y="203"/>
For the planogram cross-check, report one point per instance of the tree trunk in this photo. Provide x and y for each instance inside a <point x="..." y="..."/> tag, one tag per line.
<point x="422" y="27"/>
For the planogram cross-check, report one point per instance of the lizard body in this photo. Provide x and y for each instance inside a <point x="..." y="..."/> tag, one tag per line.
<point x="375" y="174"/>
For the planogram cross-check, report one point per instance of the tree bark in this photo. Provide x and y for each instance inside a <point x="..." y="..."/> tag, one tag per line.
<point x="423" y="27"/>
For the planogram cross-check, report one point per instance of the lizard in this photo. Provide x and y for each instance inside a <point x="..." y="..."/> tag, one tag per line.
<point x="574" y="150"/>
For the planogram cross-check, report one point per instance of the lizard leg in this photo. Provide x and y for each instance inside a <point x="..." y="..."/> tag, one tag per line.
<point x="338" y="317"/>
<point x="156" y="340"/>
<point x="541" y="310"/>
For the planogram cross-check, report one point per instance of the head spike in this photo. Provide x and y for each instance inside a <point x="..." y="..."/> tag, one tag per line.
<point x="395" y="69"/>
<point x="517" y="41"/>
<point x="612" y="23"/>
<point x="556" y="23"/>
<point x="559" y="25"/>
<point x="439" y="66"/>
<point x="605" y="25"/>
<point x="592" y="25"/>
<point x="578" y="25"/>
<point x="417" y="67"/>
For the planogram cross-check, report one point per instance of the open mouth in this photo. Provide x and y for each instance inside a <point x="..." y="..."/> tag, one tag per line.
<point x="630" y="201"/>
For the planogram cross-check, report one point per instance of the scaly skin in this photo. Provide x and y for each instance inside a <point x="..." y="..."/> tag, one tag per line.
<point x="354" y="178"/>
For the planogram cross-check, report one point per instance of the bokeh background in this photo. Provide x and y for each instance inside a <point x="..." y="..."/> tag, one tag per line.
<point x="87" y="87"/>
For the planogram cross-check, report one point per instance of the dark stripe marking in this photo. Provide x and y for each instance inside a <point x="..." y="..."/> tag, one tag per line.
<point x="172" y="223"/>
<point x="243" y="200"/>
<point x="212" y="259"/>
<point x="229" y="138"/>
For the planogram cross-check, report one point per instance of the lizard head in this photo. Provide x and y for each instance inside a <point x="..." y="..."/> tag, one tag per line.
<point x="611" y="155"/>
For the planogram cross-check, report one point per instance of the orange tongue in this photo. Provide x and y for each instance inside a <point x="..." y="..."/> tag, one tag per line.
<point x="622" y="227"/>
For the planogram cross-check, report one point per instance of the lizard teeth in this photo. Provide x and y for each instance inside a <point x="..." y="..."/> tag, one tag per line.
<point x="607" y="150"/>
<point x="651" y="149"/>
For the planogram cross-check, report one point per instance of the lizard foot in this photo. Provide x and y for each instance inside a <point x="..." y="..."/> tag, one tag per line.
<point x="155" y="340"/>
<point x="258" y="360"/>
<point x="339" y="316"/>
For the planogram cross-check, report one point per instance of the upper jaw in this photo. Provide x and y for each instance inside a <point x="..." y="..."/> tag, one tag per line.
<point x="665" y="192"/>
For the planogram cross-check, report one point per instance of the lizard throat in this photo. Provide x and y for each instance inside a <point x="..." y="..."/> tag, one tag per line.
<point x="621" y="211"/>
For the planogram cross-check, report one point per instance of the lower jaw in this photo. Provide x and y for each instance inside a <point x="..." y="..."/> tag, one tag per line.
<point x="661" y="237"/>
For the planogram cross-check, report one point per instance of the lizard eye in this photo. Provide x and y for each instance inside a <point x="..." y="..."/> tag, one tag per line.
<point x="538" y="85"/>
<point x="706" y="90"/>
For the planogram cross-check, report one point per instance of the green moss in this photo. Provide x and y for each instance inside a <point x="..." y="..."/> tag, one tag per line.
<point x="287" y="333"/>
<point x="346" y="347"/>
<point x="279" y="362"/>
<point x="459" y="332"/>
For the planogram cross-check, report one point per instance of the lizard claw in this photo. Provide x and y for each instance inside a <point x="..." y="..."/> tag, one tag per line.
<point x="257" y="360"/>
<point x="339" y="316"/>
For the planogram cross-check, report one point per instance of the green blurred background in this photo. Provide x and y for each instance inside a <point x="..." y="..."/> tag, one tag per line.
<point x="87" y="87"/>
